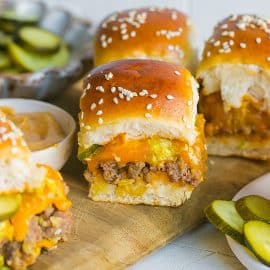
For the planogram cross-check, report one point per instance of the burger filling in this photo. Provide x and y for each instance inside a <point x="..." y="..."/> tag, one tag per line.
<point x="33" y="221"/>
<point x="250" y="119"/>
<point x="44" y="231"/>
<point x="137" y="163"/>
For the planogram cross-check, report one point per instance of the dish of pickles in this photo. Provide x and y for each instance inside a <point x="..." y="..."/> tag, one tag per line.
<point x="246" y="220"/>
<point x="43" y="49"/>
<point x="26" y="47"/>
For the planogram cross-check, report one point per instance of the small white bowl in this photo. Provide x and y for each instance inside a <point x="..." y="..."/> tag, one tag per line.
<point x="56" y="155"/>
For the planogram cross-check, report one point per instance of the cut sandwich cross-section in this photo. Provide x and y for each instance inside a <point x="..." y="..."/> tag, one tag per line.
<point x="34" y="209"/>
<point x="140" y="134"/>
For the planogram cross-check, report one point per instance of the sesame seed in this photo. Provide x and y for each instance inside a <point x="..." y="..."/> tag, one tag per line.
<point x="100" y="89"/>
<point x="115" y="100"/>
<point x="258" y="40"/>
<point x="231" y="42"/>
<point x="123" y="25"/>
<point x="88" y="86"/>
<point x="243" y="45"/>
<point x="121" y="95"/>
<point x="174" y="16"/>
<point x="104" y="44"/>
<point x="99" y="112"/>
<point x="123" y="31"/>
<point x="115" y="28"/>
<point x="268" y="59"/>
<point x="100" y="120"/>
<point x="153" y="96"/>
<point x="103" y="37"/>
<point x="109" y="40"/>
<point x="108" y="76"/>
<point x="148" y="115"/>
<point x="176" y="72"/>
<point x="93" y="106"/>
<point x="113" y="89"/>
<point x="224" y="26"/>
<point x="144" y="92"/>
<point x="149" y="106"/>
<point x="170" y="97"/>
<point x="125" y="37"/>
<point x="208" y="54"/>
<point x="217" y="43"/>
<point x="101" y="101"/>
<point x="133" y="34"/>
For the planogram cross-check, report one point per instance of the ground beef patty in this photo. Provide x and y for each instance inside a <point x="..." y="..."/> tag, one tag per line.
<point x="176" y="170"/>
<point x="51" y="224"/>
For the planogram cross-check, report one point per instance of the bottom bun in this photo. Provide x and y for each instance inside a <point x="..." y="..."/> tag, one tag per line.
<point x="157" y="193"/>
<point x="252" y="147"/>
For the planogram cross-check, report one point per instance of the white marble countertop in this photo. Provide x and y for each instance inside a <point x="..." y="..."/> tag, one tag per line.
<point x="204" y="248"/>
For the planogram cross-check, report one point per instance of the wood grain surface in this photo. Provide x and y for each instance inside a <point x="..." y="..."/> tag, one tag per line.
<point x="114" y="236"/>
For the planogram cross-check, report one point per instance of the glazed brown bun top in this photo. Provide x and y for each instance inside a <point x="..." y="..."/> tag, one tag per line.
<point x="242" y="39"/>
<point x="155" y="33"/>
<point x="140" y="98"/>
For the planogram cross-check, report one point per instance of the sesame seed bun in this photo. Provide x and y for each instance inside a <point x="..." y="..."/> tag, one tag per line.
<point x="235" y="79"/>
<point x="141" y="98"/>
<point x="242" y="39"/>
<point x="154" y="33"/>
<point x="17" y="172"/>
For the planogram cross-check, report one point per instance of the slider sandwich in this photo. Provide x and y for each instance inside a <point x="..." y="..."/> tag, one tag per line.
<point x="34" y="211"/>
<point x="152" y="33"/>
<point x="235" y="87"/>
<point x="140" y="135"/>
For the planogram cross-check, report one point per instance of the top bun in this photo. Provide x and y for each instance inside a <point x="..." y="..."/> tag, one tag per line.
<point x="140" y="98"/>
<point x="17" y="171"/>
<point x="155" y="33"/>
<point x="242" y="39"/>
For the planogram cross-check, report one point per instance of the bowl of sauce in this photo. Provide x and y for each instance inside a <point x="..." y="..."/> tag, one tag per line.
<point x="48" y="130"/>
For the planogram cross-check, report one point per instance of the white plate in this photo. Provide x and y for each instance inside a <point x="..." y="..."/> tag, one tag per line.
<point x="55" y="155"/>
<point x="260" y="186"/>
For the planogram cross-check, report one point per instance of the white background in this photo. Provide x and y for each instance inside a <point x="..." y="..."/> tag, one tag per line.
<point x="205" y="13"/>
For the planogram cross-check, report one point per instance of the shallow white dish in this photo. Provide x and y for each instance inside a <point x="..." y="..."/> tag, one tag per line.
<point x="260" y="186"/>
<point x="55" y="155"/>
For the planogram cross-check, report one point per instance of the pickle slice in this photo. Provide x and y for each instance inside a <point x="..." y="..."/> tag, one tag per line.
<point x="9" y="204"/>
<point x="89" y="152"/>
<point x="223" y="215"/>
<point x="4" y="61"/>
<point x="257" y="238"/>
<point x="32" y="61"/>
<point x="13" y="17"/>
<point x="4" y="40"/>
<point x="38" y="39"/>
<point x="254" y="207"/>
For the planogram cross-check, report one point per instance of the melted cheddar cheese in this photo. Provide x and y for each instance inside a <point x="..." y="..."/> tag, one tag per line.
<point x="52" y="193"/>
<point x="154" y="151"/>
<point x="251" y="118"/>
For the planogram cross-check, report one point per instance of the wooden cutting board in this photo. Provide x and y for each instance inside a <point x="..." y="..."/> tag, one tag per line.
<point x="114" y="236"/>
